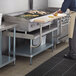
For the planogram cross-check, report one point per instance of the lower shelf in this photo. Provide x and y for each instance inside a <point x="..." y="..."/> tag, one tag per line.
<point x="25" y="50"/>
<point x="6" y="60"/>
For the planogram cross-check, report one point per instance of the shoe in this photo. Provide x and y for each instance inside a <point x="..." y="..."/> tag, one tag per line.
<point x="67" y="56"/>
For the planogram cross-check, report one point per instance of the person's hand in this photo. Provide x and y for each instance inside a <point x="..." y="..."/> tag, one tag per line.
<point x="56" y="13"/>
<point x="59" y="11"/>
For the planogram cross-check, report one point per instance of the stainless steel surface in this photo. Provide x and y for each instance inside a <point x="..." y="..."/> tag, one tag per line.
<point x="0" y="47"/>
<point x="25" y="51"/>
<point x="23" y="24"/>
<point x="29" y="29"/>
<point x="64" y="29"/>
<point x="6" y="26"/>
<point x="4" y="60"/>
<point x="33" y="35"/>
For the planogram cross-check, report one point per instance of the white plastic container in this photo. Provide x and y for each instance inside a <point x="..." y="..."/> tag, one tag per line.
<point x="37" y="41"/>
<point x="0" y="18"/>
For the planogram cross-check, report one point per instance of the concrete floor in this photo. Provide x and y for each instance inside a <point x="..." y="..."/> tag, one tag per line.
<point x="22" y="66"/>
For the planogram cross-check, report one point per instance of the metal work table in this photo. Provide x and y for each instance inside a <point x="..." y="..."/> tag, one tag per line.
<point x="28" y="26"/>
<point x="4" y="60"/>
<point x="29" y="50"/>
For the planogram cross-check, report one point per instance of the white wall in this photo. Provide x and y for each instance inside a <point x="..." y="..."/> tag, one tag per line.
<point x="40" y="4"/>
<point x="55" y="3"/>
<point x="8" y="6"/>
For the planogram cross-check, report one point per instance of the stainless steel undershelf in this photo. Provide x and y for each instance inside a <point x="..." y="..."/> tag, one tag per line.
<point x="5" y="60"/>
<point x="25" y="51"/>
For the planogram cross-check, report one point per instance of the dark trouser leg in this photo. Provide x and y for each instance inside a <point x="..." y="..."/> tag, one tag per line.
<point x="72" y="44"/>
<point x="71" y="47"/>
<point x="70" y="40"/>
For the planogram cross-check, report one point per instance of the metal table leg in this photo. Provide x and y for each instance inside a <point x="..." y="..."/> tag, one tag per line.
<point x="9" y="46"/>
<point x="31" y="51"/>
<point x="0" y="48"/>
<point x="52" y="41"/>
<point x="30" y="60"/>
<point x="14" y="44"/>
<point x="55" y="39"/>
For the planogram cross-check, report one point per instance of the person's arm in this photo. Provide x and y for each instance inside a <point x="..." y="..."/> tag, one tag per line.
<point x="65" y="5"/>
<point x="56" y="13"/>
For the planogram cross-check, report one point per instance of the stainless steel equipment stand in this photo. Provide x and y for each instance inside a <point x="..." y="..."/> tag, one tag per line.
<point x="51" y="44"/>
<point x="4" y="60"/>
<point x="31" y="51"/>
<point x="27" y="27"/>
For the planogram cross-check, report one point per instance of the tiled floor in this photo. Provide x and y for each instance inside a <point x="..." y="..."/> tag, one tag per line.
<point x="22" y="66"/>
